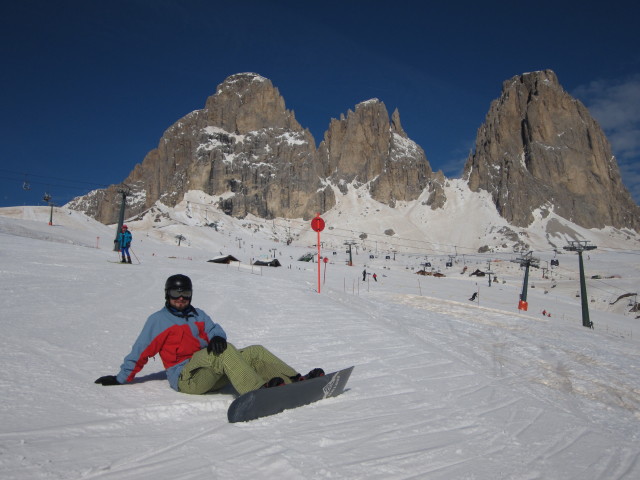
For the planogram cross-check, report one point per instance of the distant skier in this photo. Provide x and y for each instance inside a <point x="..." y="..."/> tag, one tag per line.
<point x="364" y="274"/>
<point x="124" y="240"/>
<point x="375" y="277"/>
<point x="473" y="297"/>
<point x="195" y="352"/>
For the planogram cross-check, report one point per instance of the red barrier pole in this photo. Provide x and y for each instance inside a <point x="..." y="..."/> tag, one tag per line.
<point x="317" y="224"/>
<point x="318" y="261"/>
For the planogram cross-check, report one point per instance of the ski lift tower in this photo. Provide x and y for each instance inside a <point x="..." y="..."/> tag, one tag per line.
<point x="489" y="272"/>
<point x="349" y="244"/>
<point x="581" y="246"/>
<point x="526" y="261"/>
<point x="47" y="198"/>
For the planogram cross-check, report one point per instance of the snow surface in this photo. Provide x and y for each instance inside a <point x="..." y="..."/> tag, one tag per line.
<point x="444" y="388"/>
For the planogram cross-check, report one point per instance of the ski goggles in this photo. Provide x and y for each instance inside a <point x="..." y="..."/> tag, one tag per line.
<point x="175" y="293"/>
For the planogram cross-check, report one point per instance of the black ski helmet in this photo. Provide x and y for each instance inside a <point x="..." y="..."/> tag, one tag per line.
<point x="177" y="282"/>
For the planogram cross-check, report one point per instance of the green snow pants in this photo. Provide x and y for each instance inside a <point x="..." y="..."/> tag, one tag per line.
<point x="246" y="369"/>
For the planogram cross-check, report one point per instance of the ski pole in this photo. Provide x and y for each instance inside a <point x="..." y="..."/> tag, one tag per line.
<point x="134" y="254"/>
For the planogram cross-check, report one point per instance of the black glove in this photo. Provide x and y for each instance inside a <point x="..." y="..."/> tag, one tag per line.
<point x="217" y="345"/>
<point x="108" y="380"/>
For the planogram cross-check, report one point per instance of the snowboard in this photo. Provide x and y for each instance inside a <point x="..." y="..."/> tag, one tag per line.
<point x="269" y="401"/>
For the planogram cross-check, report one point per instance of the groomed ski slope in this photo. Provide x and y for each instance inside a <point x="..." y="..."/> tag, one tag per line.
<point x="443" y="387"/>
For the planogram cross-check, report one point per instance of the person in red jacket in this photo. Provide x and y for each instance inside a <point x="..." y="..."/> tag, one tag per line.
<point x="195" y="352"/>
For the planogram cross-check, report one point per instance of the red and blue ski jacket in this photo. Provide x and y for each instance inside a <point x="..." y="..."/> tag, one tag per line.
<point x="176" y="336"/>
<point x="124" y="239"/>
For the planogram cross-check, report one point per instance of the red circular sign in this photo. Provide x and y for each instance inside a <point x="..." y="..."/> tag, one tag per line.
<point x="317" y="224"/>
<point x="325" y="259"/>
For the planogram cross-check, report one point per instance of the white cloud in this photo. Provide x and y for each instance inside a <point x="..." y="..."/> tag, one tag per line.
<point x="615" y="104"/>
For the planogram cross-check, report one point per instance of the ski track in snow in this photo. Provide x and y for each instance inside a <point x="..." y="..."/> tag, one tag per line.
<point x="442" y="388"/>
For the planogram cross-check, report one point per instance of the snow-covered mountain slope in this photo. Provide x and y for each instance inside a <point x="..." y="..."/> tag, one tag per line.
<point x="443" y="387"/>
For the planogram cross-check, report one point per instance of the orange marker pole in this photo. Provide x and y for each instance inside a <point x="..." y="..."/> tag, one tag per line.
<point x="318" y="261"/>
<point x="317" y="224"/>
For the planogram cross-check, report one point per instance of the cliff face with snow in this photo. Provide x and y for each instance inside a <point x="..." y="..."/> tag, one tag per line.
<point x="538" y="150"/>
<point x="248" y="150"/>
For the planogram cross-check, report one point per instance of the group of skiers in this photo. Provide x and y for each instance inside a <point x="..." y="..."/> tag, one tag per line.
<point x="364" y="276"/>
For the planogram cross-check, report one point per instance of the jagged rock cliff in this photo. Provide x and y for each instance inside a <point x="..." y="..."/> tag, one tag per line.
<point x="366" y="147"/>
<point x="249" y="150"/>
<point x="540" y="148"/>
<point x="244" y="146"/>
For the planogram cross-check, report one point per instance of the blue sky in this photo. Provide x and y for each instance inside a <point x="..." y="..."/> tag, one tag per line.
<point x="87" y="88"/>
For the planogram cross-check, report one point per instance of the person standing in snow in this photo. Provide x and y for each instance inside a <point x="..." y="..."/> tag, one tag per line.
<point x="364" y="274"/>
<point x="195" y="352"/>
<point x="124" y="240"/>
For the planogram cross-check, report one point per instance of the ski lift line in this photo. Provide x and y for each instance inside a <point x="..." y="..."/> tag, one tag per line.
<point x="51" y="185"/>
<point x="52" y="178"/>
<point x="48" y="184"/>
<point x="386" y="238"/>
<point x="620" y="250"/>
<point x="592" y="285"/>
<point x="607" y="292"/>
<point x="471" y="256"/>
<point x="566" y="273"/>
<point x="357" y="232"/>
<point x="72" y="187"/>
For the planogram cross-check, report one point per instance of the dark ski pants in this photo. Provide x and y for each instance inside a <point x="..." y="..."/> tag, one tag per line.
<point x="246" y="369"/>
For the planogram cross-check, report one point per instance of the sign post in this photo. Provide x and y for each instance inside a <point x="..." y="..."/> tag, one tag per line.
<point x="317" y="224"/>
<point x="325" y="260"/>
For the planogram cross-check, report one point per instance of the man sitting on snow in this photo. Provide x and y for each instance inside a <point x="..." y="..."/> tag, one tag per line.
<point x="195" y="352"/>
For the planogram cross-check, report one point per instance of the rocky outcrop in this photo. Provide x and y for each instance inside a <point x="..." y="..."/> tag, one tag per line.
<point x="246" y="148"/>
<point x="366" y="147"/>
<point x="540" y="148"/>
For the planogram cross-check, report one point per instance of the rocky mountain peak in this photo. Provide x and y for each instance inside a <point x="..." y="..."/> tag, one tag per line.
<point x="539" y="148"/>
<point x="247" y="102"/>
<point x="396" y="126"/>
<point x="365" y="147"/>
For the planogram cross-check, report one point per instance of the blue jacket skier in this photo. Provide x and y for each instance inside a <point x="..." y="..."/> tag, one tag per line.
<point x="124" y="240"/>
<point x="195" y="353"/>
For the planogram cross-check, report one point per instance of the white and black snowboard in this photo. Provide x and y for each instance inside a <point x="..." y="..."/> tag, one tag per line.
<point x="269" y="401"/>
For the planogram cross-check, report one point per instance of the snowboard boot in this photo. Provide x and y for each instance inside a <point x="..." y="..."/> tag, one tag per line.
<point x="128" y="259"/>
<point x="274" y="382"/>
<point x="124" y="260"/>
<point x="316" y="372"/>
